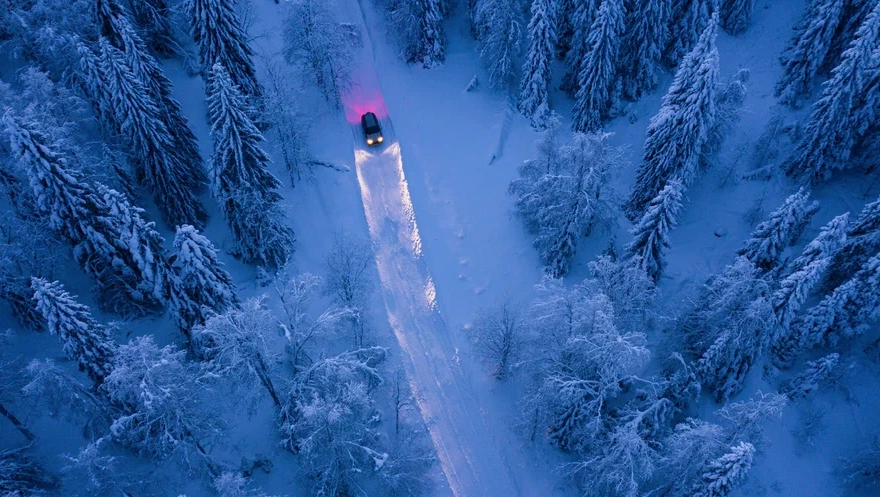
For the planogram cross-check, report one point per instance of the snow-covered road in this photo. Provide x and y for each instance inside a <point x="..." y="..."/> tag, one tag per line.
<point x="467" y="445"/>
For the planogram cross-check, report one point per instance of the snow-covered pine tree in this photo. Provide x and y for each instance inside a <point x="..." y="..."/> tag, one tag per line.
<point x="90" y="78"/>
<point x="846" y="312"/>
<point x="239" y="161"/>
<point x="199" y="274"/>
<point x="836" y="122"/>
<point x="147" y="70"/>
<point x="240" y="178"/>
<point x="802" y="58"/>
<point x="171" y="180"/>
<point x="563" y="11"/>
<point x="651" y="234"/>
<point x="862" y="241"/>
<point x="79" y="212"/>
<point x="726" y="472"/>
<point x="676" y="135"/>
<point x="806" y="272"/>
<point x="597" y="81"/>
<point x="138" y="245"/>
<point x="644" y="40"/>
<point x="583" y="12"/>
<point x="500" y="23"/>
<point x="432" y="39"/>
<point x="689" y="20"/>
<point x="730" y="325"/>
<point x="85" y="340"/>
<point x="108" y="14"/>
<point x="736" y="15"/>
<point x="154" y="19"/>
<point x="808" y="381"/>
<point x="783" y="228"/>
<point x="854" y="14"/>
<point x="563" y="205"/>
<point x="537" y="76"/>
<point x="222" y="40"/>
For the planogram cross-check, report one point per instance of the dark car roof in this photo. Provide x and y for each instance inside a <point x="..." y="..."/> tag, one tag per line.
<point x="369" y="121"/>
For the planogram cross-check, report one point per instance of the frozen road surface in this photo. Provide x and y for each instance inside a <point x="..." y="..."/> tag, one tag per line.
<point x="468" y="448"/>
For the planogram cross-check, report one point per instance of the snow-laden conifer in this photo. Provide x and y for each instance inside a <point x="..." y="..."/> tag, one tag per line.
<point x="84" y="339"/>
<point x="726" y="472"/>
<point x="688" y="19"/>
<point x="802" y="58"/>
<point x="644" y="40"/>
<point x="783" y="228"/>
<point x="736" y="15"/>
<point x="597" y="81"/>
<point x="677" y="134"/>
<point x="537" y="76"/>
<point x="217" y="30"/>
<point x="651" y="234"/>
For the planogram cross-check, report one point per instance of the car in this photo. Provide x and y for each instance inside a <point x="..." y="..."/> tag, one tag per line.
<point x="372" y="130"/>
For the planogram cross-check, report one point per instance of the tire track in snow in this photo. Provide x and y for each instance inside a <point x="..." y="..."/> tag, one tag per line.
<point x="470" y="457"/>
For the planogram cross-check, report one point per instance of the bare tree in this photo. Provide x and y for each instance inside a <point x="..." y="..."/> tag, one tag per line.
<point x="498" y="334"/>
<point x="348" y="264"/>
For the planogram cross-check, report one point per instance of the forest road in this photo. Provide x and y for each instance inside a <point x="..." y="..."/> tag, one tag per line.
<point x="470" y="452"/>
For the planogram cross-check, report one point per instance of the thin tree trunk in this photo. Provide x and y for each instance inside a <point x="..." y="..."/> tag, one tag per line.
<point x="18" y="424"/>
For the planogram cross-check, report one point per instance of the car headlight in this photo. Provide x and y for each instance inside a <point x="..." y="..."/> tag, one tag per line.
<point x="380" y="139"/>
<point x="369" y="141"/>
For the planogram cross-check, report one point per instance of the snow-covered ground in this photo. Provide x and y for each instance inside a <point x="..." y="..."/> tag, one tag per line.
<point x="436" y="209"/>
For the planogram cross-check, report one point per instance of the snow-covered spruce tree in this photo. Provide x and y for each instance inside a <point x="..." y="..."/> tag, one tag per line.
<point x="862" y="241"/>
<point x="808" y="381"/>
<point x="239" y="161"/>
<point x="501" y="26"/>
<point x="689" y="19"/>
<point x="846" y="312"/>
<point x="234" y="344"/>
<point x="726" y="472"/>
<point x="326" y="421"/>
<point x="317" y="43"/>
<point x="81" y="214"/>
<point x="90" y="78"/>
<point x="564" y="204"/>
<point x="630" y="289"/>
<point x="730" y="325"/>
<point x="147" y="70"/>
<point x="418" y="27"/>
<point x="806" y="272"/>
<point x="159" y="166"/>
<point x="563" y="11"/>
<point x="644" y="40"/>
<point x="158" y="393"/>
<point x="854" y="14"/>
<point x="837" y="120"/>
<point x="802" y="58"/>
<point x="537" y="76"/>
<point x="651" y="235"/>
<point x="85" y="340"/>
<point x="222" y="40"/>
<point x="582" y="14"/>
<point x="783" y="228"/>
<point x="240" y="178"/>
<point x="736" y="15"/>
<point x="199" y="274"/>
<point x="676" y="135"/>
<point x="154" y="19"/>
<point x="597" y="81"/>
<point x="432" y="39"/>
